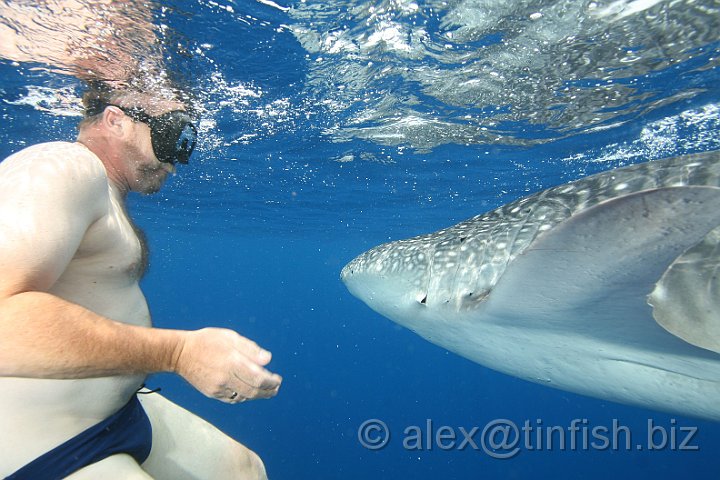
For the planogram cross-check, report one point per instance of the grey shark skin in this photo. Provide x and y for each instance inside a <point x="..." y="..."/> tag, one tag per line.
<point x="607" y="286"/>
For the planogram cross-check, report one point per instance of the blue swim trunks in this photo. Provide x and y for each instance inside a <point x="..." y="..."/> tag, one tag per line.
<point x="127" y="431"/>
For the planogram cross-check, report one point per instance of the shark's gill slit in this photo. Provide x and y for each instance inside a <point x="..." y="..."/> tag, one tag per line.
<point x="431" y="256"/>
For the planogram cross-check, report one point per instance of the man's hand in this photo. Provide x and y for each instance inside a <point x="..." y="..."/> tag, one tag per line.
<point x="224" y="365"/>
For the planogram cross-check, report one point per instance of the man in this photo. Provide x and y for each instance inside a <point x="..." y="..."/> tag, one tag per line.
<point x="76" y="341"/>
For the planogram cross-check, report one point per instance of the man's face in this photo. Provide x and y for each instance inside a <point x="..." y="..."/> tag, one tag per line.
<point x="146" y="174"/>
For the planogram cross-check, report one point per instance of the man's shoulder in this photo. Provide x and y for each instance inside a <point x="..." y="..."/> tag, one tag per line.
<point x="63" y="171"/>
<point x="55" y="152"/>
<point x="64" y="161"/>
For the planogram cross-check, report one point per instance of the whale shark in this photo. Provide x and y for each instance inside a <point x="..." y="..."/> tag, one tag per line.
<point x="607" y="286"/>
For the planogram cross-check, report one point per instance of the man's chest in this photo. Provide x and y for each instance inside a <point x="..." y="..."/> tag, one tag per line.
<point x="113" y="245"/>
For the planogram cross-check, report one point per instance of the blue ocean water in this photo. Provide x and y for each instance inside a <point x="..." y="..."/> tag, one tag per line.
<point x="330" y="127"/>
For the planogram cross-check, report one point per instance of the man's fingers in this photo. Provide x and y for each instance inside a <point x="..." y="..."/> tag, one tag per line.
<point x="239" y="392"/>
<point x="253" y="351"/>
<point x="246" y="392"/>
<point x="254" y="374"/>
<point x="259" y="380"/>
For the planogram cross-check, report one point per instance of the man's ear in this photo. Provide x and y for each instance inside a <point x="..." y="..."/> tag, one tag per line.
<point x="115" y="120"/>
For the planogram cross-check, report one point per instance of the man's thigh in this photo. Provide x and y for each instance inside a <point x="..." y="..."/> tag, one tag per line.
<point x="115" y="467"/>
<point x="187" y="447"/>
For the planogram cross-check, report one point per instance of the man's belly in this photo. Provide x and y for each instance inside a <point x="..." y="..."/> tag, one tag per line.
<point x="38" y="414"/>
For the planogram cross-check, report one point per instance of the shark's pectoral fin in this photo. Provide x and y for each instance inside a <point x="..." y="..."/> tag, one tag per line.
<point x="686" y="300"/>
<point x="605" y="260"/>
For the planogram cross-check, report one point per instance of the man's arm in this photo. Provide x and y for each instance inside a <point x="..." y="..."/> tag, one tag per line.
<point x="44" y="336"/>
<point x="46" y="206"/>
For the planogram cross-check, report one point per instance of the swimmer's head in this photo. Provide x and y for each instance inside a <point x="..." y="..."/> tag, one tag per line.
<point x="172" y="131"/>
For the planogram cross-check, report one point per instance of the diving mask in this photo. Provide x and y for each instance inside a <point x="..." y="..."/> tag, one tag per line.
<point x="173" y="134"/>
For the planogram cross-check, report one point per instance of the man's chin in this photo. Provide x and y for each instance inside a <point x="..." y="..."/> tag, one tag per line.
<point x="152" y="182"/>
<point x="151" y="190"/>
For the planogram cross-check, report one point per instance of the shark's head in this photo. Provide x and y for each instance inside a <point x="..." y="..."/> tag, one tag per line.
<point x="451" y="271"/>
<point x="430" y="275"/>
<point x="391" y="278"/>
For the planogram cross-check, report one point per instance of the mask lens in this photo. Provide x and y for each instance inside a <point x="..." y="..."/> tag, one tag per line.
<point x="185" y="143"/>
<point x="173" y="137"/>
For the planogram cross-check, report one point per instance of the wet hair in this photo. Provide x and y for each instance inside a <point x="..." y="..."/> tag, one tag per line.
<point x="94" y="101"/>
<point x="98" y="96"/>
